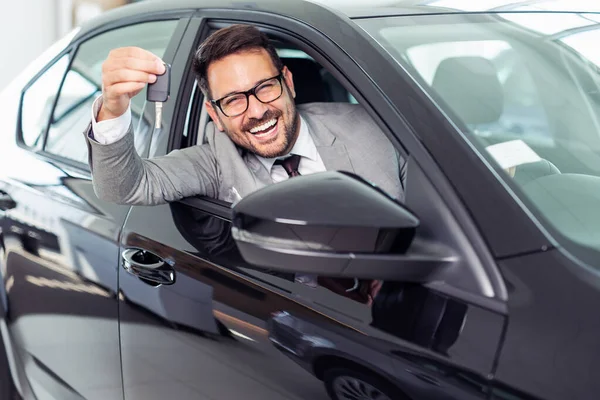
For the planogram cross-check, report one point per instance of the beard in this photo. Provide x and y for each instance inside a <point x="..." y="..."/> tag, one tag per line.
<point x="281" y="144"/>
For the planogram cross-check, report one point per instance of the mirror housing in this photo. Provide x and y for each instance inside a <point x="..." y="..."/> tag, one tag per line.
<point x="336" y="224"/>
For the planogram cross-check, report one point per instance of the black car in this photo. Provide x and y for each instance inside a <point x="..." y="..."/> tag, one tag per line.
<point x="482" y="284"/>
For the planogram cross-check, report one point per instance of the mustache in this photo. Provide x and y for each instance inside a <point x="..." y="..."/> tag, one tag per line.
<point x="269" y="115"/>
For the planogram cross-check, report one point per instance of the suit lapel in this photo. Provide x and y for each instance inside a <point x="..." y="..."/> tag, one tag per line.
<point x="262" y="176"/>
<point x="331" y="149"/>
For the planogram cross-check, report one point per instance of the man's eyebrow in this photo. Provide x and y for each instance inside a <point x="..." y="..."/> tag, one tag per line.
<point x="244" y="91"/>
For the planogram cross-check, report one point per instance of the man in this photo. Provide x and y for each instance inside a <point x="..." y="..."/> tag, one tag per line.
<point x="258" y="133"/>
<point x="257" y="137"/>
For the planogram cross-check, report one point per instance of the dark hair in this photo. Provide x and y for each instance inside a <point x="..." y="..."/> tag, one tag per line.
<point x="227" y="41"/>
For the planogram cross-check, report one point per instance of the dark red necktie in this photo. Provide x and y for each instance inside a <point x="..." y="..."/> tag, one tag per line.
<point x="355" y="289"/>
<point x="290" y="165"/>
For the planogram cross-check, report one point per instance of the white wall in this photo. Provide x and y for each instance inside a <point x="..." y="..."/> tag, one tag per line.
<point x="27" y="28"/>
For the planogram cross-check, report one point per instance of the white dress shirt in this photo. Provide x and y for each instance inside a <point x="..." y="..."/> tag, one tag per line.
<point x="110" y="130"/>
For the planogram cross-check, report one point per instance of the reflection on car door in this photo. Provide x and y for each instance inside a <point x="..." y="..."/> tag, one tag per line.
<point x="60" y="247"/>
<point x="60" y="242"/>
<point x="60" y="251"/>
<point x="220" y="329"/>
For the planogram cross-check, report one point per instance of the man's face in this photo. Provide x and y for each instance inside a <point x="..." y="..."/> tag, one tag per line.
<point x="268" y="130"/>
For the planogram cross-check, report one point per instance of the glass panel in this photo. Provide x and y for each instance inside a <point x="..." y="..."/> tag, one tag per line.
<point x="469" y="5"/>
<point x="567" y="5"/>
<point x="586" y="44"/>
<point x="71" y="116"/>
<point x="38" y="101"/>
<point x="529" y="102"/>
<point x="547" y="23"/>
<point x="522" y="112"/>
<point x="83" y="85"/>
<point x="506" y="5"/>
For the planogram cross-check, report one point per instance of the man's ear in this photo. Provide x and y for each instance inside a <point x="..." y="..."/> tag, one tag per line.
<point x="213" y="115"/>
<point x="289" y="80"/>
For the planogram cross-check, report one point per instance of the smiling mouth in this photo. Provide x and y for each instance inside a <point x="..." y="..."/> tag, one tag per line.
<point x="265" y="130"/>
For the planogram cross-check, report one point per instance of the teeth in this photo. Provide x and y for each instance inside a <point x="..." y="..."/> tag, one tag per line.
<point x="264" y="126"/>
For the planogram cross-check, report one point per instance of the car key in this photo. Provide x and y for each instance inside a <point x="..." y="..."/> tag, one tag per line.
<point x="158" y="92"/>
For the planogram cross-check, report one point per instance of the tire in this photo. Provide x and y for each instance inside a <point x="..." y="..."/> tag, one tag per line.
<point x="348" y="384"/>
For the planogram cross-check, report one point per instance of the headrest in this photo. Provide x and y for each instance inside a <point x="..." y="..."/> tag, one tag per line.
<point x="310" y="86"/>
<point x="526" y="173"/>
<point x="470" y="86"/>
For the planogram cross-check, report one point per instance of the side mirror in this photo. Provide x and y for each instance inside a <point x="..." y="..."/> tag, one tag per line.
<point x="336" y="224"/>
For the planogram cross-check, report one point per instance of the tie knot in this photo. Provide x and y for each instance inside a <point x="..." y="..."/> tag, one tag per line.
<point x="290" y="164"/>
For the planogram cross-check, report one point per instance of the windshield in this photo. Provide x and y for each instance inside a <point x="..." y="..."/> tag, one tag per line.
<point x="525" y="90"/>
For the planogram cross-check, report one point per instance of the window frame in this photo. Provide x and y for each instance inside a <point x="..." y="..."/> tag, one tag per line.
<point x="318" y="49"/>
<point x="56" y="156"/>
<point x="537" y="222"/>
<point x="186" y="133"/>
<point x="20" y="140"/>
<point x="71" y="49"/>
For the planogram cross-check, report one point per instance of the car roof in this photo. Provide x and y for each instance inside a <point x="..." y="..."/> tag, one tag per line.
<point x="297" y="9"/>
<point x="366" y="8"/>
<point x="301" y="9"/>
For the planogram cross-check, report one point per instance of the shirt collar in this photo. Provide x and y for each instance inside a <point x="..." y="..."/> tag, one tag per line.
<point x="304" y="147"/>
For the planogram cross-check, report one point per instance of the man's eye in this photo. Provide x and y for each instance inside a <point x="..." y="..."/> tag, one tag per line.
<point x="267" y="85"/>
<point x="233" y="100"/>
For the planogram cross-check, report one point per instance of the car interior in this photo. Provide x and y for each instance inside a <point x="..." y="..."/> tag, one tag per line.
<point x="471" y="86"/>
<point x="510" y="93"/>
<point x="314" y="83"/>
<point x="479" y="103"/>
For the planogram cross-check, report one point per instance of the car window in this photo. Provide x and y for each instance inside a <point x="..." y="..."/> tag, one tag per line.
<point x="38" y="101"/>
<point x="522" y="110"/>
<point x="314" y="83"/>
<point x="527" y="99"/>
<point x="82" y="85"/>
<point x="314" y="86"/>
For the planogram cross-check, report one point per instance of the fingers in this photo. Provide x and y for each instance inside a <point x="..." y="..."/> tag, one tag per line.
<point x="129" y="89"/>
<point x="125" y="72"/>
<point x="117" y="60"/>
<point x="135" y="58"/>
<point x="135" y="64"/>
<point x="126" y="75"/>
<point x="134" y="52"/>
<point x="131" y="64"/>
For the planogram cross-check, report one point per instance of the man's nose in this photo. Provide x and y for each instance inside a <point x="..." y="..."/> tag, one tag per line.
<point x="256" y="109"/>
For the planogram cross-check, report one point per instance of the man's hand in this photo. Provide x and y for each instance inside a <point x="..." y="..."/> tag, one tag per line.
<point x="124" y="74"/>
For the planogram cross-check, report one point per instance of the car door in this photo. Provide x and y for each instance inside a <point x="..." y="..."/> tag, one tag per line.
<point x="59" y="241"/>
<point x="542" y="223"/>
<point x="215" y="326"/>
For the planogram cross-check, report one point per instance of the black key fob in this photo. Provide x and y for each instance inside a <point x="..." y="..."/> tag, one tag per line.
<point x="159" y="90"/>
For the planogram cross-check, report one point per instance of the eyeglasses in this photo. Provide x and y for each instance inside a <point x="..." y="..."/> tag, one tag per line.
<point x="236" y="104"/>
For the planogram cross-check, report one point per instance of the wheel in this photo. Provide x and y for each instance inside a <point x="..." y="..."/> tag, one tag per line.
<point x="348" y="384"/>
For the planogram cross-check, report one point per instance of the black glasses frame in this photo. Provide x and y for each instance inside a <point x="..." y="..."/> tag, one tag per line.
<point x="248" y="93"/>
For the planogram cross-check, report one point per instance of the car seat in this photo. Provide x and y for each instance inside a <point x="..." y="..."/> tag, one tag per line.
<point x="471" y="88"/>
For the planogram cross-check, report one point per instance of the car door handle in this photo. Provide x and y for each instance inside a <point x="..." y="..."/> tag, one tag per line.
<point x="6" y="202"/>
<point x="148" y="267"/>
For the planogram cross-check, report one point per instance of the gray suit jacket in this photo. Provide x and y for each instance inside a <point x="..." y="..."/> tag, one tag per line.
<point x="345" y="136"/>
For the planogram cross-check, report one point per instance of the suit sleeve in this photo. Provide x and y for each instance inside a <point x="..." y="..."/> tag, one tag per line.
<point x="121" y="176"/>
